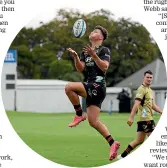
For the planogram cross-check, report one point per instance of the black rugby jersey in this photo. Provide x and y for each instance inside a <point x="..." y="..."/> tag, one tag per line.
<point x="94" y="73"/>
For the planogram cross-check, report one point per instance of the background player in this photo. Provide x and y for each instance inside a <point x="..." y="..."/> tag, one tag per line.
<point x="95" y="59"/>
<point x="144" y="105"/>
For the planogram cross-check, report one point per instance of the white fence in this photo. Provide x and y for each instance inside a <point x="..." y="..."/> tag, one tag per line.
<point x="44" y="96"/>
<point x="48" y="96"/>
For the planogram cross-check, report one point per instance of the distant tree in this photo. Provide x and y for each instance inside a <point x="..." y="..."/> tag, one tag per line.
<point x="132" y="48"/>
<point x="73" y="76"/>
<point x="25" y="65"/>
<point x="58" y="68"/>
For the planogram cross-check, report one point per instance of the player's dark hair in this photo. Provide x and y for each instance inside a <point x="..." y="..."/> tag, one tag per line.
<point x="148" y="72"/>
<point x="103" y="30"/>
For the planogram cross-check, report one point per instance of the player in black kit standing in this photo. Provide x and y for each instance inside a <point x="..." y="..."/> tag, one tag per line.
<point x="95" y="60"/>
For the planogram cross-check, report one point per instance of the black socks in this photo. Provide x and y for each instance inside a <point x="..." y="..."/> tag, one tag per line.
<point x="78" y="110"/>
<point x="127" y="151"/>
<point x="110" y="140"/>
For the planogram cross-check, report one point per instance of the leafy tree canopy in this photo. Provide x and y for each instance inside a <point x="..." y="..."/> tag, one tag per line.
<point x="42" y="51"/>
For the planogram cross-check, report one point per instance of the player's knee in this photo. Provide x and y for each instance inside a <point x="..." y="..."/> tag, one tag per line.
<point x="68" y="88"/>
<point x="93" y="123"/>
<point x="139" y="142"/>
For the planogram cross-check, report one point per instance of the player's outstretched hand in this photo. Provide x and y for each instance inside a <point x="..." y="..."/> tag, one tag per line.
<point x="74" y="54"/>
<point x="88" y="50"/>
<point x="130" y="121"/>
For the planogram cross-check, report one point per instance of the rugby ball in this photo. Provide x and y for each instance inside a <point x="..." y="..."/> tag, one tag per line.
<point x="79" y="28"/>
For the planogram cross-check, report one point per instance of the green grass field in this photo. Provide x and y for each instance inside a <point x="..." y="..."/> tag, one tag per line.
<point x="82" y="146"/>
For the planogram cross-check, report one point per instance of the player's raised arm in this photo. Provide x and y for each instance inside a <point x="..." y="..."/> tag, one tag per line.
<point x="80" y="65"/>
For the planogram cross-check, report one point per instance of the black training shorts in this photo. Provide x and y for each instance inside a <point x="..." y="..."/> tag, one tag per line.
<point x="96" y="93"/>
<point x="145" y="126"/>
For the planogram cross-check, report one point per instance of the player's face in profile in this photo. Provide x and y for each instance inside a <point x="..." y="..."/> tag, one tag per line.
<point x="95" y="35"/>
<point x="148" y="79"/>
